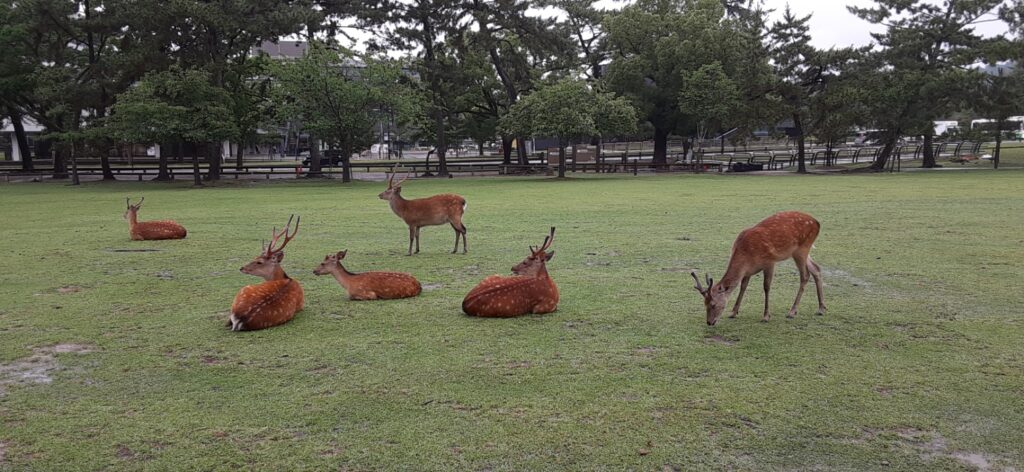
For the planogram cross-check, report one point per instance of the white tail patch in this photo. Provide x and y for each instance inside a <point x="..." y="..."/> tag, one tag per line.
<point x="464" y="205"/>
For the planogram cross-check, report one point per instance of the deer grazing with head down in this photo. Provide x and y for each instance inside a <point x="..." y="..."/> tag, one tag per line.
<point x="784" y="235"/>
<point x="430" y="211"/>
<point x="530" y="290"/>
<point x="150" y="230"/>
<point x="369" y="285"/>
<point x="274" y="301"/>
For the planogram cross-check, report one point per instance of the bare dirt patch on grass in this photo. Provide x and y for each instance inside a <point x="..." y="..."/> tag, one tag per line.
<point x="38" y="367"/>
<point x="69" y="289"/>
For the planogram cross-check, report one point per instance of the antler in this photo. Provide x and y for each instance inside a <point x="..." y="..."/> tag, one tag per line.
<point x="128" y="201"/>
<point x="547" y="242"/>
<point x="697" y="285"/>
<point x="288" y="234"/>
<point x="399" y="184"/>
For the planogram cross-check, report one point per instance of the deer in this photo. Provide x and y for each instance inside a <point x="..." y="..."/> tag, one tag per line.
<point x="369" y="285"/>
<point x="150" y="230"/>
<point x="274" y="301"/>
<point x="430" y="211"/>
<point x="529" y="290"/>
<point x="787" y="234"/>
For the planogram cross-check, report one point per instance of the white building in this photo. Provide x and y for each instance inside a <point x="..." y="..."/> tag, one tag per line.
<point x="7" y="133"/>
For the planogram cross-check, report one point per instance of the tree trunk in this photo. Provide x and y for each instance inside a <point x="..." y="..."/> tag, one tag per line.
<point x="561" y="160"/>
<point x="195" y="165"/>
<point x="213" y="158"/>
<point x="162" y="175"/>
<point x="660" y="147"/>
<point x="238" y="156"/>
<point x="929" y="153"/>
<point x="442" y="144"/>
<point x="574" y="156"/>
<point x="346" y="164"/>
<point x="883" y="157"/>
<point x="104" y="147"/>
<point x="74" y="165"/>
<point x="180" y="148"/>
<point x="506" y="150"/>
<point x="480" y="149"/>
<point x="22" y="138"/>
<point x="801" y="149"/>
<point x="314" y="157"/>
<point x="521" y="150"/>
<point x="60" y="170"/>
<point x="999" y="145"/>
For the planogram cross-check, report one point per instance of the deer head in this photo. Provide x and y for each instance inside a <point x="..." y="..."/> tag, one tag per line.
<point x="534" y="264"/>
<point x="393" y="188"/>
<point x="715" y="297"/>
<point x="133" y="210"/>
<point x="331" y="263"/>
<point x="268" y="264"/>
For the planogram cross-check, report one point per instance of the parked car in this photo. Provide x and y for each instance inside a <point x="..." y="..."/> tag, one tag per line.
<point x="328" y="158"/>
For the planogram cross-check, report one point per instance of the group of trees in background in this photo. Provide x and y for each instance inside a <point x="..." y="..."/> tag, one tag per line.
<point x="100" y="73"/>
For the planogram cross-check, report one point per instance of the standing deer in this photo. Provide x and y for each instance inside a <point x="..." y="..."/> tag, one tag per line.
<point x="780" y="236"/>
<point x="430" y="211"/>
<point x="150" y="230"/>
<point x="369" y="285"/>
<point x="530" y="290"/>
<point x="272" y="302"/>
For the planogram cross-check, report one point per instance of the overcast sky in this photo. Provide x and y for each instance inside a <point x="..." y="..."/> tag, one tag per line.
<point x="832" y="25"/>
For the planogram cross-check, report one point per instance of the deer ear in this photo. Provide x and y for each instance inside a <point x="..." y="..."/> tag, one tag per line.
<point x="549" y="256"/>
<point x="277" y="256"/>
<point x="341" y="254"/>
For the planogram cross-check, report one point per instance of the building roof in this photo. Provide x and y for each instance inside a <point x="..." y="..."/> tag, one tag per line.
<point x="282" y="49"/>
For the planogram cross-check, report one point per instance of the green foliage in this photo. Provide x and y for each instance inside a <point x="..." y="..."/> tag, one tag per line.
<point x="340" y="99"/>
<point x="570" y="109"/>
<point x="170" y="105"/>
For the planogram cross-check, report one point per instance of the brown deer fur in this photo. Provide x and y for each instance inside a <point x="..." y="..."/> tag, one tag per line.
<point x="530" y="290"/>
<point x="369" y="285"/>
<point x="150" y="230"/>
<point x="274" y="301"/>
<point x="784" y="235"/>
<point x="430" y="211"/>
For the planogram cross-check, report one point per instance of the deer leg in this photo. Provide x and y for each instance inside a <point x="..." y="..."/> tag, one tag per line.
<point x="768" y="273"/>
<point x="412" y="232"/>
<point x="457" y="233"/>
<point x="816" y="274"/>
<point x="739" y="298"/>
<point x="417" y="240"/>
<point x="801" y="265"/>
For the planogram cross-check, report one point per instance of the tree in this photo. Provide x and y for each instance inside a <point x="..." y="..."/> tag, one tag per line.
<point x="339" y="99"/>
<point x="568" y="110"/>
<point x="177" y="104"/>
<point x="806" y="81"/>
<point x="999" y="97"/>
<point x="924" y="54"/>
<point x="17" y="75"/>
<point x="660" y="45"/>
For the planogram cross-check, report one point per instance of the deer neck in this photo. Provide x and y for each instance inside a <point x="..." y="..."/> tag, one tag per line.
<point x="397" y="203"/>
<point x="343" y="276"/>
<point x="278" y="274"/>
<point x="133" y="219"/>
<point x="733" y="275"/>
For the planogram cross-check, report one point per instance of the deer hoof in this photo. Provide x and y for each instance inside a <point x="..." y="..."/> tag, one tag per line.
<point x="821" y="311"/>
<point x="791" y="315"/>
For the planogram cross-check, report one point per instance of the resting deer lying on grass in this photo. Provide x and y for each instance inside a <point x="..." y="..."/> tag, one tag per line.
<point x="369" y="285"/>
<point x="430" y="211"/>
<point x="275" y="301"/>
<point x="150" y="230"/>
<point x="530" y="290"/>
<point x="780" y="236"/>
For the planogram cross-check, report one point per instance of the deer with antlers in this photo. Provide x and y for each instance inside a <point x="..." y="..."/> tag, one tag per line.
<point x="150" y="230"/>
<point x="369" y="285"/>
<point x="784" y="235"/>
<point x="430" y="211"/>
<point x="530" y="290"/>
<point x="274" y="301"/>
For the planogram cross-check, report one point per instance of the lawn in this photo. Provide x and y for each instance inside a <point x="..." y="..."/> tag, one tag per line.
<point x="120" y="360"/>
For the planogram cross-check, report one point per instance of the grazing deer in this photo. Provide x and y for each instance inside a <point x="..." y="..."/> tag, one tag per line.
<point x="272" y="302"/>
<point x="369" y="285"/>
<point x="530" y="290"/>
<point x="150" y="230"/>
<point x="780" y="236"/>
<point x="430" y="211"/>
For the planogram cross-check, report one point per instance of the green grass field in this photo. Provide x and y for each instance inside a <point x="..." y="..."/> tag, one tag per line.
<point x="918" y="364"/>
